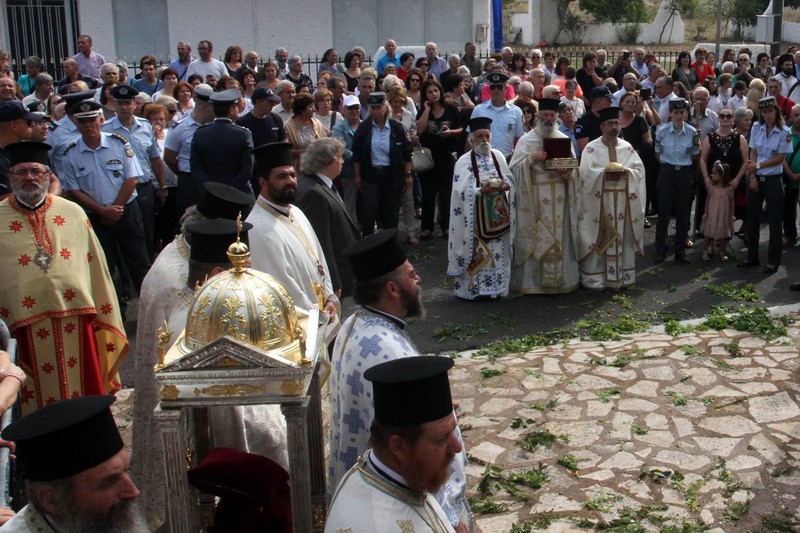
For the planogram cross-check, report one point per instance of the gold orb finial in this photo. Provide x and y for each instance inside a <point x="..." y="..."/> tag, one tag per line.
<point x="238" y="252"/>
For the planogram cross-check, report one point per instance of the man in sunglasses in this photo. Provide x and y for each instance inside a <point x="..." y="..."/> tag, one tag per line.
<point x="507" y="125"/>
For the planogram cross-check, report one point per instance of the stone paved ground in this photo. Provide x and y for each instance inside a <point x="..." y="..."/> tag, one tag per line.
<point x="699" y="431"/>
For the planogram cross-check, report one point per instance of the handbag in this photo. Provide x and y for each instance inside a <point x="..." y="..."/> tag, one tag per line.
<point x="421" y="159"/>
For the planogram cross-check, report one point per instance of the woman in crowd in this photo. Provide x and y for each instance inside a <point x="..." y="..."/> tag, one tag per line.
<point x="167" y="210"/>
<point x="724" y="144"/>
<point x="561" y="69"/>
<point x="184" y="94"/>
<point x="636" y="130"/>
<point x="683" y="71"/>
<point x="26" y="82"/>
<point x="330" y="63"/>
<point x="406" y="65"/>
<point x="296" y="74"/>
<point x="270" y="79"/>
<point x="109" y="105"/>
<point x="413" y="85"/>
<point x="528" y="114"/>
<point x="571" y="97"/>
<point x="303" y="129"/>
<point x="742" y="123"/>
<point x="587" y="76"/>
<point x="770" y="141"/>
<point x="424" y="67"/>
<point x="169" y="79"/>
<point x="233" y="59"/>
<point x="344" y="130"/>
<point x="439" y="128"/>
<point x="352" y="66"/>
<point x="247" y="80"/>
<point x="761" y="69"/>
<point x="757" y="91"/>
<point x="195" y="79"/>
<point x="681" y="91"/>
<point x="711" y="61"/>
<point x="396" y="96"/>
<point x="323" y="110"/>
<point x="517" y="67"/>
<point x="454" y="92"/>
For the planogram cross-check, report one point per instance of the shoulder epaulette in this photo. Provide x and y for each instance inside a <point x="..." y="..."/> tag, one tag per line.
<point x="120" y="137"/>
<point x="73" y="143"/>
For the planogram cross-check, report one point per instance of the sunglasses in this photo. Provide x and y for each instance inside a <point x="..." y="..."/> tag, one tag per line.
<point x="725" y="116"/>
<point x="353" y="107"/>
<point x="416" y="80"/>
<point x="424" y="64"/>
<point x="496" y="86"/>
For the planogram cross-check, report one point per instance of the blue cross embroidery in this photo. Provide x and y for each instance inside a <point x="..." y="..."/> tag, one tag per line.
<point x="369" y="345"/>
<point x="349" y="457"/>
<point x="353" y="421"/>
<point x="356" y="385"/>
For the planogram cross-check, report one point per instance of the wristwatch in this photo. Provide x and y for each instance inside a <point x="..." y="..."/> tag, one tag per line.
<point x="758" y="166"/>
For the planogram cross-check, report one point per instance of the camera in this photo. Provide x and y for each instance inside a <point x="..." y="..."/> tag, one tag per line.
<point x="626" y="55"/>
<point x="644" y="94"/>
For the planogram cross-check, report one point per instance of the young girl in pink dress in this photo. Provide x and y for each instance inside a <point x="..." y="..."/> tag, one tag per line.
<point x="718" y="218"/>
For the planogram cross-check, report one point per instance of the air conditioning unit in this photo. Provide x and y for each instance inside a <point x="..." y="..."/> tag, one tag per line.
<point x="481" y="33"/>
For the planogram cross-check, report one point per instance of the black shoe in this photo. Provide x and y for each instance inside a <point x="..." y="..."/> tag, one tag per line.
<point x="748" y="263"/>
<point x="681" y="259"/>
<point x="661" y="256"/>
<point x="794" y="287"/>
<point x="770" y="269"/>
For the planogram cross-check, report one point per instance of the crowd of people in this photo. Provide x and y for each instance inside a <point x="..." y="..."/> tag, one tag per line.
<point x="541" y="176"/>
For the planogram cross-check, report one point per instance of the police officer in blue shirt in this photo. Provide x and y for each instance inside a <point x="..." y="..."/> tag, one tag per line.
<point x="507" y="124"/>
<point x="677" y="145"/>
<point x="139" y="134"/>
<point x="100" y="174"/>
<point x="770" y="141"/>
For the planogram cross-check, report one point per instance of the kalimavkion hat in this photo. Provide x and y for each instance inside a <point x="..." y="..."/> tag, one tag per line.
<point x="411" y="390"/>
<point x="223" y="201"/>
<point x="548" y="104"/>
<point x="271" y="155"/>
<point x="65" y="438"/>
<point x="479" y="123"/>
<point x="28" y="152"/>
<point x="375" y="255"/>
<point x="211" y="239"/>
<point x="609" y="113"/>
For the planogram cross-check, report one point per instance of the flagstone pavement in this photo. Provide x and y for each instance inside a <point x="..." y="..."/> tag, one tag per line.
<point x="694" y="432"/>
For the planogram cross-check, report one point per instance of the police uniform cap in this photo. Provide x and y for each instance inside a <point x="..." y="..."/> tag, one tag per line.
<point x="271" y="155"/>
<point x="223" y="98"/>
<point x="123" y="92"/>
<point x="678" y="103"/>
<point x="65" y="438"/>
<point x="14" y="110"/>
<point x="411" y="390"/>
<point x="479" y="123"/>
<point x="28" y="152"/>
<point x="203" y="92"/>
<point x="496" y="77"/>
<point x="768" y="102"/>
<point x="223" y="201"/>
<point x="375" y="255"/>
<point x="609" y="113"/>
<point x="376" y="98"/>
<point x="86" y="109"/>
<point x="263" y="93"/>
<point x="38" y="108"/>
<point x="548" y="104"/>
<point x="71" y="99"/>
<point x="600" y="91"/>
<point x="211" y="239"/>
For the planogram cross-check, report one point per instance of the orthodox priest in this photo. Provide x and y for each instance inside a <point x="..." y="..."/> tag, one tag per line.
<point x="387" y="288"/>
<point x="481" y="226"/>
<point x="610" y="194"/>
<point x="544" y="246"/>
<point x="283" y="242"/>
<point x="57" y="298"/>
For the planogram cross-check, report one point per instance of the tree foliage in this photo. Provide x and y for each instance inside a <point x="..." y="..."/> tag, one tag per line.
<point x="743" y="13"/>
<point x="562" y="10"/>
<point x="619" y="11"/>
<point x="686" y="8"/>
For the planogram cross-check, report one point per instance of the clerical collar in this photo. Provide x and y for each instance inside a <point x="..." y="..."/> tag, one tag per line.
<point x="39" y="204"/>
<point x="385" y="471"/>
<point x="326" y="180"/>
<point x="282" y="209"/>
<point x="400" y="323"/>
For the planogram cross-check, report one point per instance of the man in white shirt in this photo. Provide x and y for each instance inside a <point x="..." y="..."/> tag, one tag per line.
<point x="206" y="65"/>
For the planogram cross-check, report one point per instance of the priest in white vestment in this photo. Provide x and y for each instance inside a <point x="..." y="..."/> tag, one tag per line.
<point x="544" y="246"/>
<point x="413" y="439"/>
<point x="283" y="243"/>
<point x="481" y="226"/>
<point x="387" y="288"/>
<point x="610" y="206"/>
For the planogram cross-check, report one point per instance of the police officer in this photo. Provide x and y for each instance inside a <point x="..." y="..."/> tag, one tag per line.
<point x="100" y="174"/>
<point x="139" y="134"/>
<point x="587" y="128"/>
<point x="221" y="150"/>
<point x="65" y="131"/>
<point x="770" y="141"/>
<point x="507" y="120"/>
<point x="677" y="145"/>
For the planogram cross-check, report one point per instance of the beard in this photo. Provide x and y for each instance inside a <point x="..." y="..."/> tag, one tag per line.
<point x="32" y="194"/>
<point x="613" y="133"/>
<point x="545" y="128"/>
<point x="412" y="302"/>
<point x="483" y="149"/>
<point x="431" y="483"/>
<point x="284" y="196"/>
<point x="122" y="517"/>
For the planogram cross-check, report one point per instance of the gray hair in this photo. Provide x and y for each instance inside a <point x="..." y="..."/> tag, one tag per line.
<point x="741" y="112"/>
<point x="283" y="85"/>
<point x="34" y="61"/>
<point x="537" y="52"/>
<point x="106" y="67"/>
<point x="775" y="79"/>
<point x="121" y="65"/>
<point x="320" y="154"/>
<point x="294" y="59"/>
<point x="728" y="65"/>
<point x="701" y="90"/>
<point x="453" y="58"/>
<point x="41" y="79"/>
<point x="506" y="49"/>
<point x="795" y="107"/>
<point x="525" y="87"/>
<point x="390" y="81"/>
<point x="279" y="50"/>
<point x="463" y="70"/>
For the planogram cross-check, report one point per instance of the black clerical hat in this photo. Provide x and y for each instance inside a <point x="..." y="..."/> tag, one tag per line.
<point x="411" y="390"/>
<point x="271" y="155"/>
<point x="548" y="104"/>
<point x="65" y="438"/>
<point x="28" y="152"/>
<point x="608" y="113"/>
<point x="223" y="201"/>
<point x="211" y="239"/>
<point x="375" y="255"/>
<point x="479" y="123"/>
